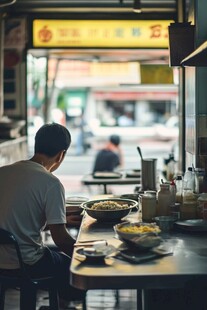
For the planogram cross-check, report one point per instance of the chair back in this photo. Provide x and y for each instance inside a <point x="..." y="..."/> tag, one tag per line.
<point x="7" y="238"/>
<point x="28" y="285"/>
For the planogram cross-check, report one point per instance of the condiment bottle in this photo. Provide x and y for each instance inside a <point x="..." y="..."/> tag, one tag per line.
<point x="173" y="191"/>
<point x="199" y="180"/>
<point x="170" y="167"/>
<point x="164" y="199"/>
<point x="149" y="205"/>
<point x="179" y="188"/>
<point x="175" y="210"/>
<point x="202" y="206"/>
<point x="188" y="209"/>
<point x="189" y="179"/>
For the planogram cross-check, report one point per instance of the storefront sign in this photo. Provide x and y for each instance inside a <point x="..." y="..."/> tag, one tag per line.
<point x="136" y="95"/>
<point x="101" y="33"/>
<point x="89" y="74"/>
<point x="15" y="33"/>
<point x="156" y="74"/>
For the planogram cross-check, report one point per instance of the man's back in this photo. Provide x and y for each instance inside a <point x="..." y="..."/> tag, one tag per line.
<point x="27" y="197"/>
<point x="106" y="160"/>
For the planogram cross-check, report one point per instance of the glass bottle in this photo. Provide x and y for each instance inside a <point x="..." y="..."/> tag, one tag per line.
<point x="173" y="191"/>
<point x="199" y="180"/>
<point x="189" y="179"/>
<point x="164" y="199"/>
<point x="170" y="167"/>
<point x="175" y="210"/>
<point x="179" y="188"/>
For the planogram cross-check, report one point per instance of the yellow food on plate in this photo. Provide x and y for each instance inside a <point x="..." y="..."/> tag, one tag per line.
<point x="140" y="229"/>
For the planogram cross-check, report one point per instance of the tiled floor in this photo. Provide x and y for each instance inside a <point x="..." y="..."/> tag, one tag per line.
<point x="96" y="300"/>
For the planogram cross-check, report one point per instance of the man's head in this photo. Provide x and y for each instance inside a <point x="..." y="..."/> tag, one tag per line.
<point x="115" y="139"/>
<point x="52" y="138"/>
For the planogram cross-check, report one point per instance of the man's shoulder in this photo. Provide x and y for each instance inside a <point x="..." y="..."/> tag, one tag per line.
<point x="106" y="151"/>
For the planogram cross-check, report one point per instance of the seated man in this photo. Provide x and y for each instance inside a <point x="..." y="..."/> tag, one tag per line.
<point x="31" y="197"/>
<point x="110" y="157"/>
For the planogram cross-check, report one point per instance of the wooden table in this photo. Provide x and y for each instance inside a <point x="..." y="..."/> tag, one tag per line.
<point x="90" y="180"/>
<point x="186" y="269"/>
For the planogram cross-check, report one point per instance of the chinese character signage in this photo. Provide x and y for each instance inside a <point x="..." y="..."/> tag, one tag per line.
<point x="101" y="33"/>
<point x="15" y="33"/>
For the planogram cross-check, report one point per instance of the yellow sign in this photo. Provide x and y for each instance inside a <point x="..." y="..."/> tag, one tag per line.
<point x="156" y="74"/>
<point x="101" y="33"/>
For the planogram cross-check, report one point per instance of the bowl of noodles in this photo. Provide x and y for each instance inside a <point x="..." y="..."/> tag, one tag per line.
<point x="113" y="209"/>
<point x="139" y="235"/>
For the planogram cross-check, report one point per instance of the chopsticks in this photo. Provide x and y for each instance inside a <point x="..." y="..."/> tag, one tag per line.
<point x="90" y="242"/>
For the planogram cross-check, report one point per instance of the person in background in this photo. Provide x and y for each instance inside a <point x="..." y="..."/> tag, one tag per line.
<point x="83" y="136"/>
<point x="125" y="120"/>
<point x="110" y="157"/>
<point x="80" y="124"/>
<point x="31" y="197"/>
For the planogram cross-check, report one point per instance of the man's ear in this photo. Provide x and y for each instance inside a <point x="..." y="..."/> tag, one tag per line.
<point x="60" y="156"/>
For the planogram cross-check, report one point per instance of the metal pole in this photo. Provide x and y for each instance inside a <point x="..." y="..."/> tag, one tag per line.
<point x="1" y="66"/>
<point x="181" y="13"/>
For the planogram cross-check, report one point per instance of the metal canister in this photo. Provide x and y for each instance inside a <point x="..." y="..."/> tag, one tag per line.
<point x="149" y="174"/>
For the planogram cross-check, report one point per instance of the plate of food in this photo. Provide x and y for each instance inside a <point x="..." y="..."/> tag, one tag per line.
<point x="107" y="175"/>
<point x="133" y="173"/>
<point x="136" y="257"/>
<point x="94" y="254"/>
<point x="198" y="225"/>
<point x="133" y="196"/>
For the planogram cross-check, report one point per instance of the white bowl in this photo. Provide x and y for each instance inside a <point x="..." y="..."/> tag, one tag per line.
<point x="136" y="238"/>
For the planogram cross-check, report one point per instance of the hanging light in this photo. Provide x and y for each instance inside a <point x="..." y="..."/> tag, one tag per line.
<point x="137" y="6"/>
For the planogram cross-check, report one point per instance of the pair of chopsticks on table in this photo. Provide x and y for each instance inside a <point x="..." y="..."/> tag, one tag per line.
<point x="90" y="242"/>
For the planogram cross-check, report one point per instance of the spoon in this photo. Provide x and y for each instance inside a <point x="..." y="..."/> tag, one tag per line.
<point x="139" y="151"/>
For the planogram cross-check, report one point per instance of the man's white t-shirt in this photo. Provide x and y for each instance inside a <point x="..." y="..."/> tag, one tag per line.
<point x="30" y="198"/>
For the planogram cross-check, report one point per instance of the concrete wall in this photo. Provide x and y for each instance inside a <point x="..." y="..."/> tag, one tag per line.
<point x="13" y="150"/>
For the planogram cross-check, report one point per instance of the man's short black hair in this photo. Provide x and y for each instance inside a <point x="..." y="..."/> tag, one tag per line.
<point x="115" y="139"/>
<point x="51" y="139"/>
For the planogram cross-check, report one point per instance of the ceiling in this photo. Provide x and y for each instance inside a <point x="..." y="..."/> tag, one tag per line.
<point x="160" y="6"/>
<point x="86" y="9"/>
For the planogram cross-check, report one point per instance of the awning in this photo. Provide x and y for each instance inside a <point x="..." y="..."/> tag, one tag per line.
<point x="198" y="58"/>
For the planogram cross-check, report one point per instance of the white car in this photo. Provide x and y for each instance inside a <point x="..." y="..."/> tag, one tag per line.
<point x="168" y="131"/>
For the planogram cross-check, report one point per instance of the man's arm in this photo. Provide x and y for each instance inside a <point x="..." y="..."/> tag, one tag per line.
<point x="121" y="156"/>
<point x="63" y="240"/>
